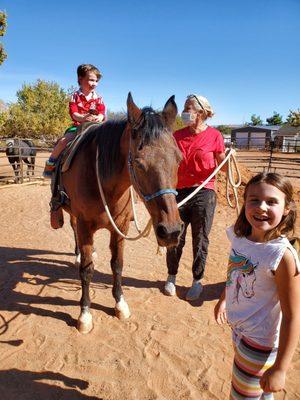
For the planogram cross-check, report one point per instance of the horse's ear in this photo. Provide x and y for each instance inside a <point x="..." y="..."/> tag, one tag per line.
<point x="133" y="112"/>
<point x="170" y="112"/>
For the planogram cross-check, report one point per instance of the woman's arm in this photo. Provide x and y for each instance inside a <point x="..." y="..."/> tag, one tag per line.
<point x="219" y="158"/>
<point x="287" y="281"/>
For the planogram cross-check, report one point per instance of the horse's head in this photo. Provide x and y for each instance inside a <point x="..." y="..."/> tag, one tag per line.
<point x="10" y="150"/>
<point x="9" y="142"/>
<point x="153" y="164"/>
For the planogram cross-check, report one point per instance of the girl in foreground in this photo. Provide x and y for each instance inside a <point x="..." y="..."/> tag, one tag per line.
<point x="262" y="296"/>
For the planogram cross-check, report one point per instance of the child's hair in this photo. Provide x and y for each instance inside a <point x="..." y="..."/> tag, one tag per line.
<point x="286" y="225"/>
<point x="83" y="69"/>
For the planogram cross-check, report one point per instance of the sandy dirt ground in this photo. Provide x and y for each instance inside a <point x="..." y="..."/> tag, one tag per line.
<point x="169" y="348"/>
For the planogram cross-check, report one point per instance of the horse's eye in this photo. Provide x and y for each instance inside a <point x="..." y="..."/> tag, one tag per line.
<point x="138" y="163"/>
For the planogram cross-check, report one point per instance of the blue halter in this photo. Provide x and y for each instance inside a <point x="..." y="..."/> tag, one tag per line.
<point x="147" y="197"/>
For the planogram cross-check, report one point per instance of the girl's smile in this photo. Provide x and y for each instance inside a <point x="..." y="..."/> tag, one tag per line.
<point x="264" y="209"/>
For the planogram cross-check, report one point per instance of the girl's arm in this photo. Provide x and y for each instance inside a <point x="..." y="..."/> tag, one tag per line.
<point x="287" y="281"/>
<point x="220" y="309"/>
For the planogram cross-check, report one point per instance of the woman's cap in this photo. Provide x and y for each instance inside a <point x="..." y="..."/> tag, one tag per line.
<point x="202" y="102"/>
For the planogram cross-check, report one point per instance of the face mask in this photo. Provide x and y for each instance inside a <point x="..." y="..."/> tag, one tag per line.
<point x="187" y="118"/>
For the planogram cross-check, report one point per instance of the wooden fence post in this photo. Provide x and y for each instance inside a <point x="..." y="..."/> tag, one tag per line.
<point x="271" y="154"/>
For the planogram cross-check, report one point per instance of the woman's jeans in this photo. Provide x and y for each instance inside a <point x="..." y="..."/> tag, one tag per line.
<point x="199" y="212"/>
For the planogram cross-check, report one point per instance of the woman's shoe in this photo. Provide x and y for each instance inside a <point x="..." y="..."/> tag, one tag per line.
<point x="194" y="291"/>
<point x="170" y="288"/>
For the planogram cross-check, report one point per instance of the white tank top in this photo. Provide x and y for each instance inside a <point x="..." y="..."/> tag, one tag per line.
<point x="252" y="304"/>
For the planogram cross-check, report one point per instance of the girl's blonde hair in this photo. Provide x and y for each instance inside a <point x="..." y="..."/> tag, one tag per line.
<point x="287" y="223"/>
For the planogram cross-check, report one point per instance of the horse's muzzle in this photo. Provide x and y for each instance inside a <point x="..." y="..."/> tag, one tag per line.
<point x="168" y="235"/>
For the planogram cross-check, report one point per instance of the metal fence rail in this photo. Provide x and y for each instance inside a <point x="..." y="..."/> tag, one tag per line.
<point x="269" y="158"/>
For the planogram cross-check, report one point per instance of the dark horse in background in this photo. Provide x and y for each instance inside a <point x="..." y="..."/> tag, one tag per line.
<point x="18" y="151"/>
<point x="138" y="151"/>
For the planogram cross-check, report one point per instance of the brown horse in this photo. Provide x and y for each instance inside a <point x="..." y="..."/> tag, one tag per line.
<point x="138" y="151"/>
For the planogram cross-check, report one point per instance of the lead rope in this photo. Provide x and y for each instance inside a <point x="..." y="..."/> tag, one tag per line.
<point x="147" y="229"/>
<point x="234" y="185"/>
<point x="229" y="182"/>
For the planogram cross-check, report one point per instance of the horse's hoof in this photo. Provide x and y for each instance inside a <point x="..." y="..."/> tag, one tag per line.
<point x="122" y="310"/>
<point x="85" y="323"/>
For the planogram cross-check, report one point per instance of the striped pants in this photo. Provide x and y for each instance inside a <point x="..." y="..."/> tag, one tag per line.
<point x="250" y="362"/>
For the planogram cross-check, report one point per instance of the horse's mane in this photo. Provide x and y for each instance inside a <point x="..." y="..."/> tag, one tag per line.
<point x="150" y="126"/>
<point x="108" y="136"/>
<point x="108" y="141"/>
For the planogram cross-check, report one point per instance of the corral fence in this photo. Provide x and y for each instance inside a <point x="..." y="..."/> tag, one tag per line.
<point x="282" y="144"/>
<point x="22" y="173"/>
<point x="257" y="157"/>
<point x="281" y="156"/>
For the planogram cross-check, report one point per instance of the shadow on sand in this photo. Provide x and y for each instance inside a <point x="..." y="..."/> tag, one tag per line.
<point x="34" y="267"/>
<point x="26" y="385"/>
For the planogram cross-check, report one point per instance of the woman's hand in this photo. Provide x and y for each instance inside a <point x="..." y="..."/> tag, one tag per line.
<point x="220" y="312"/>
<point x="273" y="380"/>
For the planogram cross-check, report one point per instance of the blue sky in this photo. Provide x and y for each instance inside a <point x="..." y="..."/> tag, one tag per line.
<point x="242" y="55"/>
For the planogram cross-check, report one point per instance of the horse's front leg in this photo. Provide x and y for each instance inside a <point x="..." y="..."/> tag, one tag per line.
<point x="73" y="222"/>
<point x="16" y="168"/>
<point x="116" y="263"/>
<point x="85" y="235"/>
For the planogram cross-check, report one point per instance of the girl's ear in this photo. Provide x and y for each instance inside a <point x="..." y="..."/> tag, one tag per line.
<point x="286" y="211"/>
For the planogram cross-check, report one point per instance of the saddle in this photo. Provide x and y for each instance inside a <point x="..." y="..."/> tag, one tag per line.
<point x="59" y="194"/>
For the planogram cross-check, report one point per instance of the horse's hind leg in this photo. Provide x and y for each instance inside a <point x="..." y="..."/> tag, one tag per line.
<point x="85" y="240"/>
<point x="117" y="247"/>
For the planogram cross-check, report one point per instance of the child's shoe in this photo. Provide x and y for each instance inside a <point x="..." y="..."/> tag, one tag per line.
<point x="57" y="218"/>
<point x="49" y="169"/>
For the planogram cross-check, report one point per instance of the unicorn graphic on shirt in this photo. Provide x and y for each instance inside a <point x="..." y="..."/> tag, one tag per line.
<point x="243" y="270"/>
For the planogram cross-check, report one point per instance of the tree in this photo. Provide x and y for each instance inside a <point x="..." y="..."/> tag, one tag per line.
<point x="276" y="119"/>
<point x="115" y="114"/>
<point x="41" y="110"/>
<point x="3" y="24"/>
<point x="293" y="118"/>
<point x="224" y="129"/>
<point x="256" y="120"/>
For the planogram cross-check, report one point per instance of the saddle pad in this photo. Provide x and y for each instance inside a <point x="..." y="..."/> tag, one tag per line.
<point x="73" y="146"/>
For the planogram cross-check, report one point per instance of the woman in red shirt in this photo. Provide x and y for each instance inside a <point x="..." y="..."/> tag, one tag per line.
<point x="202" y="149"/>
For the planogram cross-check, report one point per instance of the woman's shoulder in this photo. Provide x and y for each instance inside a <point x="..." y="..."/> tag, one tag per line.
<point x="211" y="130"/>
